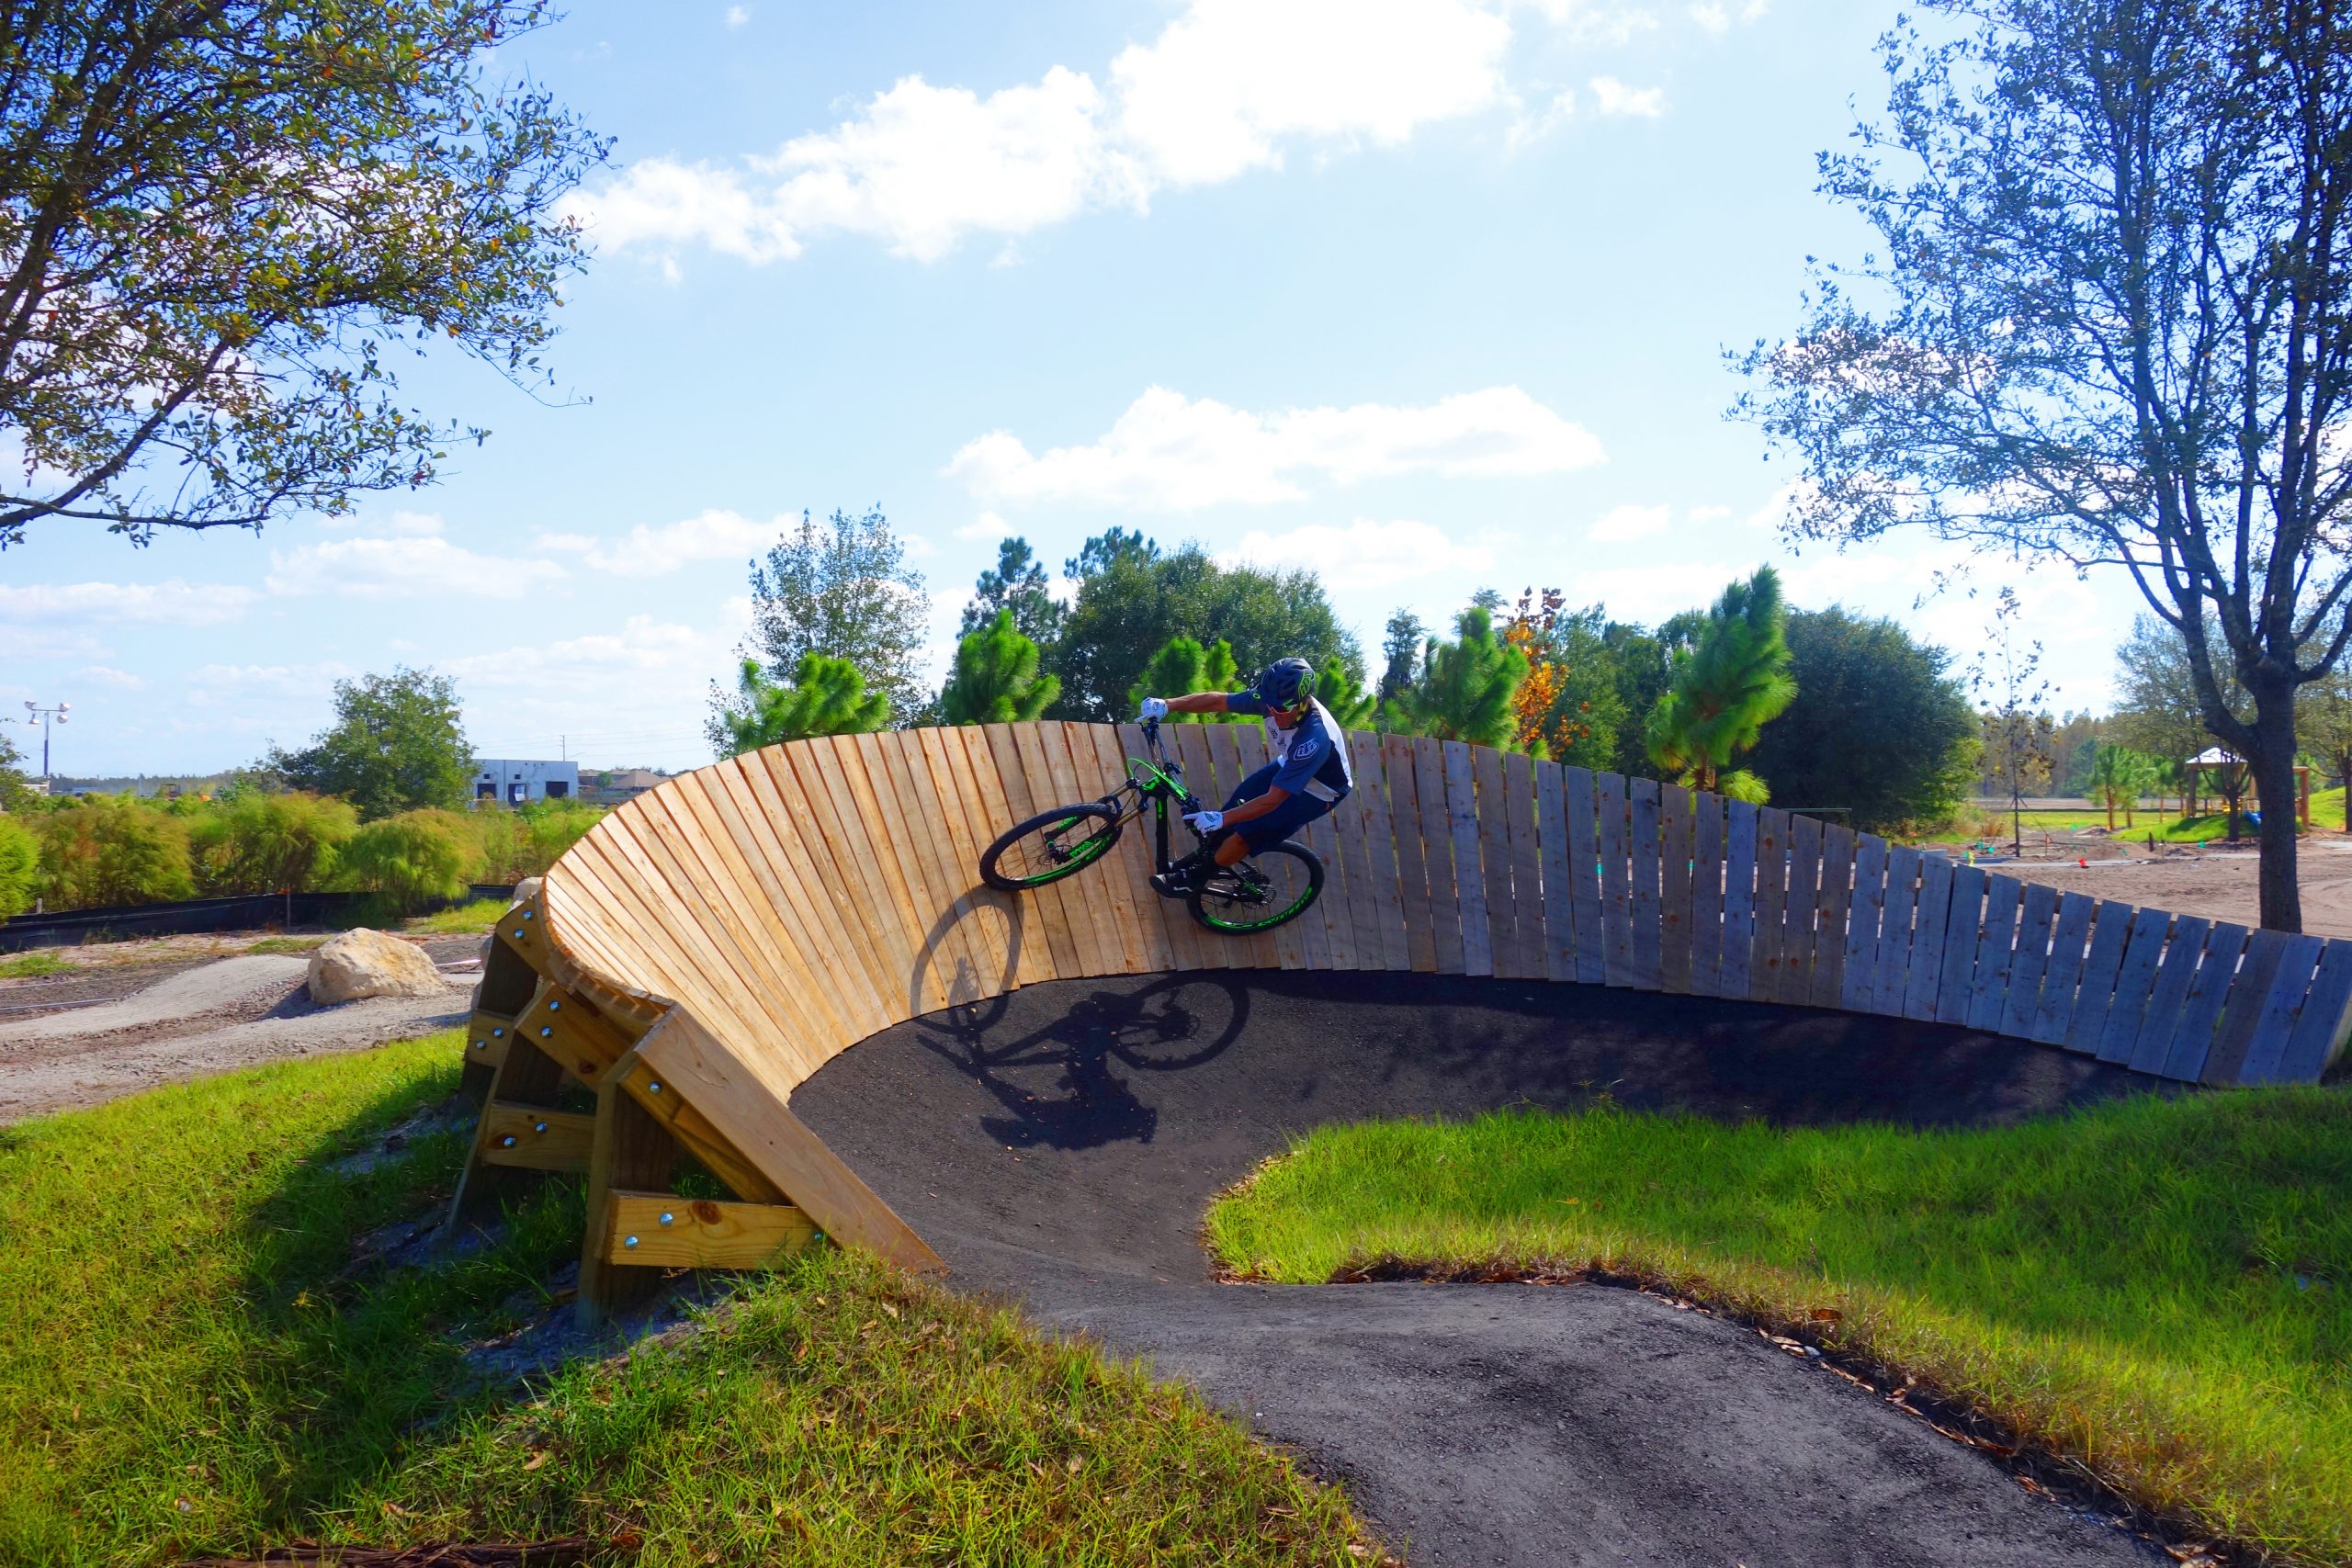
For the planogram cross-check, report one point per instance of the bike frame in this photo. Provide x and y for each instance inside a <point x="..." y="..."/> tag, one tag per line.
<point x="1160" y="782"/>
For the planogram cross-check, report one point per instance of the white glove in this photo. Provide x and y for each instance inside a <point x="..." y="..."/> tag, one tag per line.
<point x="1154" y="707"/>
<point x="1205" y="821"/>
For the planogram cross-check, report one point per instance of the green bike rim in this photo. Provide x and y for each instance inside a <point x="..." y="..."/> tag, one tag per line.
<point x="1301" y="902"/>
<point x="1086" y="854"/>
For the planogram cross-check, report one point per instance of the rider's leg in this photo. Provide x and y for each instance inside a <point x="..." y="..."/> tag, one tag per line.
<point x="1261" y="832"/>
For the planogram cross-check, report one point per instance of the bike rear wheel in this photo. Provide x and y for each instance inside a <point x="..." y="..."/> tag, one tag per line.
<point x="1264" y="890"/>
<point x="1050" y="846"/>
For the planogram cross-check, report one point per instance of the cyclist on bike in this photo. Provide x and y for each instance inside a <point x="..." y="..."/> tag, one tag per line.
<point x="1308" y="776"/>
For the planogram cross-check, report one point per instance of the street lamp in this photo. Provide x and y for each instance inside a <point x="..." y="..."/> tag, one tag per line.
<point x="36" y="713"/>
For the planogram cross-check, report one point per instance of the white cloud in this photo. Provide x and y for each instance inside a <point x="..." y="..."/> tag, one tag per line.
<point x="1612" y="97"/>
<point x="1651" y="593"/>
<point x="400" y="525"/>
<point x="1174" y="453"/>
<point x="1711" y="16"/>
<point x="170" y="604"/>
<point x="738" y="15"/>
<point x="1364" y="555"/>
<point x="106" y="675"/>
<point x="987" y="526"/>
<point x="1708" y="513"/>
<point x="404" y="567"/>
<point x="1527" y="129"/>
<point x="648" y="551"/>
<point x="1630" y="522"/>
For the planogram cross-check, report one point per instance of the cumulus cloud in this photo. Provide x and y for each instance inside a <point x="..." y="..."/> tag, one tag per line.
<point x="107" y="675"/>
<point x="1630" y="522"/>
<point x="987" y="526"/>
<point x="404" y="566"/>
<point x="649" y="550"/>
<point x="1168" y="452"/>
<point x="1610" y="96"/>
<point x="1364" y="555"/>
<point x="170" y="604"/>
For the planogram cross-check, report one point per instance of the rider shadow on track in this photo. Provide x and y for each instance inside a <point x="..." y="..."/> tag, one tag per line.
<point x="1067" y="1085"/>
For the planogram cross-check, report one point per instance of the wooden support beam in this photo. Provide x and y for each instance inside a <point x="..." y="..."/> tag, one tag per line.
<point x="528" y="1078"/>
<point x="532" y="1137"/>
<point x="487" y="1035"/>
<point x="657" y="1229"/>
<point x="631" y="1152"/>
<point x="691" y="1129"/>
<point x="573" y="1030"/>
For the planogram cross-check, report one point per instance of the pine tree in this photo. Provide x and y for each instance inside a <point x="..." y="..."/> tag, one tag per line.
<point x="1017" y="583"/>
<point x="996" y="679"/>
<point x="826" y="697"/>
<point x="1178" y="669"/>
<point x="1466" y="686"/>
<point x="1221" y="673"/>
<point x="1337" y="689"/>
<point x="1724" y="689"/>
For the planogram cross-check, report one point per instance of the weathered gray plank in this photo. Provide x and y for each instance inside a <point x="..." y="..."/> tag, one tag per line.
<point x="1583" y="879"/>
<point x="1964" y="929"/>
<point x="1739" y="898"/>
<point x="2192" y="1038"/>
<point x="1469" y="871"/>
<point x="1644" y="844"/>
<point x="2095" y="994"/>
<point x="2035" y="914"/>
<point x="2318" y="1038"/>
<point x="2138" y="972"/>
<point x="1916" y="985"/>
<point x="1988" y="994"/>
<point x="1835" y="910"/>
<point x="1801" y="910"/>
<point x="1676" y="866"/>
<point x="1707" y="894"/>
<point x="2276" y="1028"/>
<point x="1860" y="993"/>
<point x="1771" y="903"/>
<point x="2169" y="995"/>
<point x="2249" y="990"/>
<point x="1559" y="900"/>
<point x="1616" y="879"/>
<point x="2064" y="972"/>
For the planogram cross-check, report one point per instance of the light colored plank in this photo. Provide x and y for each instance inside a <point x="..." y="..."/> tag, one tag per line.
<point x="1491" y="821"/>
<point x="2249" y="990"/>
<point x="2102" y="966"/>
<point x="1865" y="910"/>
<point x="1349" y="933"/>
<point x="630" y="1149"/>
<point x="2036" y="913"/>
<point x="1739" y="898"/>
<point x="1048" y="916"/>
<point x="903" y="852"/>
<point x="1412" y="871"/>
<point x="2318" y="1037"/>
<point x="1021" y="758"/>
<point x="2063" y="976"/>
<point x="1190" y="743"/>
<point x="822" y="769"/>
<point x="1800" y="911"/>
<point x="1988" y="994"/>
<point x="745" y="795"/>
<point x="723" y="979"/>
<point x="1964" y="934"/>
<point x="901" y="782"/>
<point x="2137" y="972"/>
<point x="1559" y="903"/>
<point x="532" y="1137"/>
<point x="2201" y="1014"/>
<point x="1437" y="846"/>
<point x="1100" y="944"/>
<point x="1380" y="935"/>
<point x="1835" y="906"/>
<point x="661" y="1230"/>
<point x="1706" y="894"/>
<point x="1177" y="935"/>
<point x="1764" y="946"/>
<point x="1584" y="878"/>
<point x="1002" y="802"/>
<point x="999" y="922"/>
<point x="1911" y="934"/>
<point x="2168" y="997"/>
<point x="1128" y="865"/>
<point x="1528" y="943"/>
<point x="1469" y="868"/>
<point x="1642" y="840"/>
<point x="2298" y="965"/>
<point x="1609" y="794"/>
<point x="1676" y="837"/>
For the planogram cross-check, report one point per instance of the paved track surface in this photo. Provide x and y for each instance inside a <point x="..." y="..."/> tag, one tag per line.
<point x="1059" y="1145"/>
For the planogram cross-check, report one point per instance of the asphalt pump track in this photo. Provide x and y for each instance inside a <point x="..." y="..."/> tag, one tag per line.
<point x="1057" y="1146"/>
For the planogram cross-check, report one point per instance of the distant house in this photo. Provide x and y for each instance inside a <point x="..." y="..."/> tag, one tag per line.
<point x="610" y="787"/>
<point x="512" y="780"/>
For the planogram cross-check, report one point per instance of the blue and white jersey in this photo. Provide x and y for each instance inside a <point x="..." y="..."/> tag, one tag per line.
<point x="1310" y="758"/>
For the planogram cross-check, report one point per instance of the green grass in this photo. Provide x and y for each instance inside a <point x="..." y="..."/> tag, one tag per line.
<point x="288" y="943"/>
<point x="2160" y="1289"/>
<point x="190" y="1362"/>
<point x="27" y="966"/>
<point x="2168" y="826"/>
<point x="463" y="921"/>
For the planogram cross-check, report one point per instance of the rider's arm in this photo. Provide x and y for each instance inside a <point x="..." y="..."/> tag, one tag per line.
<point x="1257" y="805"/>
<point x="1199" y="702"/>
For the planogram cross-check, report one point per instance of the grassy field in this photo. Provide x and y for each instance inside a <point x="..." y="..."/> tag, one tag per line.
<point x="2160" y="1289"/>
<point x="2167" y="826"/>
<point x="31" y="965"/>
<point x="463" y="921"/>
<point x="194" y="1359"/>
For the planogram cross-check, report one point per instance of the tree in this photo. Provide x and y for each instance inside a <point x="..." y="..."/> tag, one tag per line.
<point x="1879" y="725"/>
<point x="218" y="218"/>
<point x="1724" y="689"/>
<point x="996" y="678"/>
<point x="1465" y="689"/>
<point x="398" y="744"/>
<point x="2120" y="776"/>
<point x="19" y="867"/>
<point x="104" y="851"/>
<point x="15" y="790"/>
<point x="825" y="696"/>
<point x="1339" y="690"/>
<point x="1017" y="583"/>
<point x="842" y="588"/>
<point x="2157" y="708"/>
<point x="1400" y="652"/>
<point x="2016" y="732"/>
<point x="2323" y="720"/>
<point x="1589" y="718"/>
<point x="414" y="859"/>
<point x="1642" y="661"/>
<point x="253" y="842"/>
<point x="2121" y="317"/>
<point x="1132" y="600"/>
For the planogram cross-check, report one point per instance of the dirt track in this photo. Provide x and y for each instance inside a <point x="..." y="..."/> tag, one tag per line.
<point x="1061" y="1145"/>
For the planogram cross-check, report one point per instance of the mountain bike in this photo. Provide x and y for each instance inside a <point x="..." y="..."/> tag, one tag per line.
<point x="1275" y="885"/>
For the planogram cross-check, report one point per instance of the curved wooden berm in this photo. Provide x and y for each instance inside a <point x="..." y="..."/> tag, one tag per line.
<point x="712" y="943"/>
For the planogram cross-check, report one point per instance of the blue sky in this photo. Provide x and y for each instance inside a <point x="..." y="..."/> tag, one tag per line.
<point x="1426" y="295"/>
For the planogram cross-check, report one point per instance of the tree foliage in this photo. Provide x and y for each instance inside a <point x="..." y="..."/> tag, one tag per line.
<point x="250" y="841"/>
<point x="841" y="588"/>
<point x="102" y="851"/>
<point x="1017" y="583"/>
<point x="825" y="696"/>
<point x="414" y="859"/>
<point x="1466" y="686"/>
<point x="997" y="679"/>
<point x="19" y="867"/>
<point x="1400" y="652"/>
<point x="218" y="219"/>
<point x="1337" y="688"/>
<point x="2118" y="777"/>
<point x="398" y="744"/>
<point x="15" y="790"/>
<point x="1724" y="690"/>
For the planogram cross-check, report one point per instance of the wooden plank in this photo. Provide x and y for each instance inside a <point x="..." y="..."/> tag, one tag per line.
<point x="816" y="771"/>
<point x="1100" y="940"/>
<point x="662" y="1231"/>
<point x="1706" y="894"/>
<point x="487" y="1035"/>
<point x="2318" y="1037"/>
<point x="1963" y="933"/>
<point x="532" y="1137"/>
<point x="1528" y="940"/>
<point x="1412" y="871"/>
<point x="2141" y="951"/>
<point x="1022" y="761"/>
<point x="1911" y="935"/>
<point x="2168" y="997"/>
<point x="994" y="811"/>
<point x="1641" y="841"/>
<point x="2298" y="966"/>
<point x="1127" y="869"/>
<point x="1584" y="878"/>
<point x="1676" y="838"/>
<point x="1191" y="743"/>
<point x="1372" y="876"/>
<point x="2102" y="966"/>
<point x="1559" y="903"/>
<point x="1437" y="846"/>
<point x="1866" y="909"/>
<point x="742" y="793"/>
<point x="900" y="783"/>
<point x="1177" y="935"/>
<point x="972" y="821"/>
<point x="1835" y="908"/>
<point x="2063" y="976"/>
<point x="2249" y="990"/>
<point x="1988" y="996"/>
<point x="2036" y="912"/>
<point x="644" y="865"/>
<point x="2192" y="1040"/>
<point x="1764" y="950"/>
<point x="875" y="814"/>
<point x="1494" y="858"/>
<point x="1469" y="868"/>
<point x="630" y="1147"/>
<point x="1801" y="912"/>
<point x="1739" y="898"/>
<point x="1240" y="751"/>
<point x="690" y="1129"/>
<point x="1608" y="794"/>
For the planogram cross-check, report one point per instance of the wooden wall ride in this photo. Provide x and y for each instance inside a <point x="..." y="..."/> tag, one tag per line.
<point x="712" y="943"/>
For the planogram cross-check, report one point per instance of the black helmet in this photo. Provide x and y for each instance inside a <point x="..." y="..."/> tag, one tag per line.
<point x="1285" y="683"/>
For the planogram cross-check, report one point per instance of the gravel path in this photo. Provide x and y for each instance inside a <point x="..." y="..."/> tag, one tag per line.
<point x="1060" y="1145"/>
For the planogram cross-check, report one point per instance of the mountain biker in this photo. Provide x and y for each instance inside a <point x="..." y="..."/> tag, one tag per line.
<point x="1308" y="776"/>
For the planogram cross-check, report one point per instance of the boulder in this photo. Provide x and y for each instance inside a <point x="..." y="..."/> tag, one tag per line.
<point x="369" y="963"/>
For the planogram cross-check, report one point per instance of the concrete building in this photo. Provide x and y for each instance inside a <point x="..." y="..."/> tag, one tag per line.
<point x="512" y="780"/>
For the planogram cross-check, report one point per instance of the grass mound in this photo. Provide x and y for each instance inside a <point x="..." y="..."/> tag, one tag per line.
<point x="466" y="920"/>
<point x="196" y="1357"/>
<point x="31" y="965"/>
<point x="2157" y="1289"/>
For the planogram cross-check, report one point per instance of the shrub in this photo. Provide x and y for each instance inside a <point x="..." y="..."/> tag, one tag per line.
<point x="412" y="859"/>
<point x="251" y="842"/>
<point x="104" y="850"/>
<point x="553" y="827"/>
<point x="19" y="867"/>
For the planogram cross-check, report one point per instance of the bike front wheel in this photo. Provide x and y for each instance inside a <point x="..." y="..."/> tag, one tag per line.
<point x="1050" y="846"/>
<point x="1264" y="890"/>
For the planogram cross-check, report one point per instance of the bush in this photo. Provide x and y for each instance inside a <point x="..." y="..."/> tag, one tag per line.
<point x="19" y="867"/>
<point x="251" y="842"/>
<point x="528" y="838"/>
<point x="105" y="850"/>
<point x="414" y="859"/>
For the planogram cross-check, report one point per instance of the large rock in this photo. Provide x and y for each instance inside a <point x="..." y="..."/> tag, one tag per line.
<point x="369" y="963"/>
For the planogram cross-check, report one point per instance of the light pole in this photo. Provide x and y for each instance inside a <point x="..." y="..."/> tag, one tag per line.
<point x="36" y="713"/>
